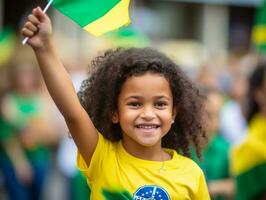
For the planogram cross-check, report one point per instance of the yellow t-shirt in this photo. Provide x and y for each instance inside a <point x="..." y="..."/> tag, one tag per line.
<point x="113" y="168"/>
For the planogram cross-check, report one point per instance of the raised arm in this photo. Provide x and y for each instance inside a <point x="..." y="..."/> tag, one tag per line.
<point x="38" y="29"/>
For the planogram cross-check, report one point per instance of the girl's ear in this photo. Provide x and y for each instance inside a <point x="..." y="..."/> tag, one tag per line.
<point x="115" y="118"/>
<point x="175" y="110"/>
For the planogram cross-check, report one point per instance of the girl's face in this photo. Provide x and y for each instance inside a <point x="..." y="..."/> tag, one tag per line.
<point x="25" y="79"/>
<point x="145" y="110"/>
<point x="214" y="105"/>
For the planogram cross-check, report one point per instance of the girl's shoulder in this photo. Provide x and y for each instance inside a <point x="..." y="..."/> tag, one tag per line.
<point x="184" y="163"/>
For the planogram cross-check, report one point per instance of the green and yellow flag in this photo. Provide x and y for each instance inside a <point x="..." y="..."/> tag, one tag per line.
<point x="259" y="30"/>
<point x="116" y="195"/>
<point x="95" y="16"/>
<point x="7" y="45"/>
<point x="248" y="161"/>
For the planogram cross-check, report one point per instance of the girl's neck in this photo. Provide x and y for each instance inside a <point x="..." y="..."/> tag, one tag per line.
<point x="154" y="153"/>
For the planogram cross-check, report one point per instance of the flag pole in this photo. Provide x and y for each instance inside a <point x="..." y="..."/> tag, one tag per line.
<point x="25" y="40"/>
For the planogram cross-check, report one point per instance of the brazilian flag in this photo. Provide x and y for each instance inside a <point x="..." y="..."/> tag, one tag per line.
<point x="7" y="44"/>
<point x="248" y="162"/>
<point x="95" y="16"/>
<point x="259" y="30"/>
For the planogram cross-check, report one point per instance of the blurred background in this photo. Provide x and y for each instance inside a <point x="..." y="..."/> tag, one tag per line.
<point x="220" y="44"/>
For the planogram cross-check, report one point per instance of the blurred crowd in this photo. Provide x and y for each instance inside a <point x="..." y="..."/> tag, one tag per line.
<point x="38" y="157"/>
<point x="35" y="150"/>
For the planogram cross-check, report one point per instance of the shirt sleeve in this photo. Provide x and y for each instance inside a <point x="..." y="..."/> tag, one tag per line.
<point x="203" y="193"/>
<point x="101" y="151"/>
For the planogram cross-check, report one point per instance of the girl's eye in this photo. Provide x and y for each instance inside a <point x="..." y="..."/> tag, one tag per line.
<point x="134" y="104"/>
<point x="160" y="105"/>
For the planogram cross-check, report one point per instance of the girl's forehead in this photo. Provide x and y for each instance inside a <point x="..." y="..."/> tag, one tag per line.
<point x="148" y="84"/>
<point x="148" y="78"/>
<point x="148" y="74"/>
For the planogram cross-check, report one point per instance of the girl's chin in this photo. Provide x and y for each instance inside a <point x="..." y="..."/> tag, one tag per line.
<point x="148" y="137"/>
<point x="147" y="132"/>
<point x="148" y="142"/>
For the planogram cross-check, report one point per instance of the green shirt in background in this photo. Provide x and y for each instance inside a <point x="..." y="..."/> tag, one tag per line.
<point x="24" y="108"/>
<point x="6" y="133"/>
<point x="215" y="160"/>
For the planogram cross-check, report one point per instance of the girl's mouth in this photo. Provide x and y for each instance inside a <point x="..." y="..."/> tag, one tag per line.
<point x="147" y="126"/>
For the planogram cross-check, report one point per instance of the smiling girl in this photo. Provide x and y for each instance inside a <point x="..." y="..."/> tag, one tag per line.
<point x="133" y="122"/>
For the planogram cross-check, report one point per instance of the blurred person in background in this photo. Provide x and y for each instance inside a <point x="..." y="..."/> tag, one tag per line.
<point x="207" y="77"/>
<point x="215" y="157"/>
<point x="233" y="83"/>
<point x="26" y="124"/>
<point x="12" y="154"/>
<point x="249" y="157"/>
<point x="233" y="123"/>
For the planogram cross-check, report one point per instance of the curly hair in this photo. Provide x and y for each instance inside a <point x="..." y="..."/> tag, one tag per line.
<point x="99" y="93"/>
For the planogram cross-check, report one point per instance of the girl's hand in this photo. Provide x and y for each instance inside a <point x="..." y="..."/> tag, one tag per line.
<point x="38" y="28"/>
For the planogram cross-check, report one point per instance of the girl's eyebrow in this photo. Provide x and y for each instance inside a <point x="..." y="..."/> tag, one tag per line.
<point x="133" y="97"/>
<point x="162" y="97"/>
<point x="140" y="97"/>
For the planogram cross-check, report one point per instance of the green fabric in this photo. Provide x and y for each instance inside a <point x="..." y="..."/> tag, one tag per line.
<point x="251" y="151"/>
<point x="81" y="191"/>
<point x="251" y="183"/>
<point x="83" y="12"/>
<point x="261" y="14"/>
<point x="117" y="195"/>
<point x="6" y="129"/>
<point x="26" y="109"/>
<point x="260" y="20"/>
<point x="5" y="34"/>
<point x="80" y="188"/>
<point x="127" y="37"/>
<point x="40" y="154"/>
<point x="7" y="45"/>
<point x="215" y="160"/>
<point x="249" y="161"/>
<point x="6" y="132"/>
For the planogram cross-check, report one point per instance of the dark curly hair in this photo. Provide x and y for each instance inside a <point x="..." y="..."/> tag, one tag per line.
<point x="99" y="93"/>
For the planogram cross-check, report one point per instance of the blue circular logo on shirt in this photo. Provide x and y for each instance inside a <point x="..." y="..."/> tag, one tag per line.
<point x="151" y="192"/>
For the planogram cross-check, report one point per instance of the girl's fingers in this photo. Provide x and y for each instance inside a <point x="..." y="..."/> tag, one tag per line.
<point x="40" y="14"/>
<point x="31" y="26"/>
<point x="27" y="33"/>
<point x="33" y="19"/>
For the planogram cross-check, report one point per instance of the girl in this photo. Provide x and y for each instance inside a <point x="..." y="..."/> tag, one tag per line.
<point x="138" y="111"/>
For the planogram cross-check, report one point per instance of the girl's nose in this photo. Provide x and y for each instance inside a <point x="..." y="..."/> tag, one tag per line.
<point x="147" y="113"/>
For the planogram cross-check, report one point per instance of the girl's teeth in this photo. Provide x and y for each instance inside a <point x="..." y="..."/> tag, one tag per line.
<point x="147" y="126"/>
